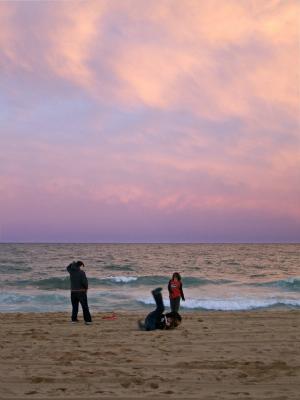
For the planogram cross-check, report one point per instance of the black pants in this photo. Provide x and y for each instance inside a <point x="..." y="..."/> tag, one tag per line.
<point x="174" y="304"/>
<point x="76" y="298"/>
<point x="153" y="319"/>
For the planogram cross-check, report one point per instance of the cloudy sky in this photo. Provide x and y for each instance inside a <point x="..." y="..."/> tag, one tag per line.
<point x="150" y="121"/>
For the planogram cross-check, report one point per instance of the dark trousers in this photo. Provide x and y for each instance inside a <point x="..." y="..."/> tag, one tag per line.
<point x="153" y="319"/>
<point x="80" y="297"/>
<point x="174" y="304"/>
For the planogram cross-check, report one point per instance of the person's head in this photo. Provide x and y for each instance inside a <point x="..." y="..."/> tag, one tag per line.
<point x="176" y="276"/>
<point x="173" y="320"/>
<point x="79" y="264"/>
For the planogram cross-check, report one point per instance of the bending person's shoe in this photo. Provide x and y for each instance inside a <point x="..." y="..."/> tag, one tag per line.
<point x="156" y="291"/>
<point x="141" y="325"/>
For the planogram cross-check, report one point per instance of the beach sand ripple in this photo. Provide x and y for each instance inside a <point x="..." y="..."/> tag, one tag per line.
<point x="234" y="355"/>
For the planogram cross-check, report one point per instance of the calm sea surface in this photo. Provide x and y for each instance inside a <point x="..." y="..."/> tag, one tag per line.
<point x="33" y="277"/>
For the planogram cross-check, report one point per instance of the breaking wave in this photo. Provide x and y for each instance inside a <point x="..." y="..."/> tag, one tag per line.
<point x="241" y="304"/>
<point x="63" y="283"/>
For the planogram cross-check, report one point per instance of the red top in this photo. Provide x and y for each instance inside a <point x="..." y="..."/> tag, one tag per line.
<point x="175" y="289"/>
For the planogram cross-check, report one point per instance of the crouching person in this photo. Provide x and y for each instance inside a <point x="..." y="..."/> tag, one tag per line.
<point x="157" y="319"/>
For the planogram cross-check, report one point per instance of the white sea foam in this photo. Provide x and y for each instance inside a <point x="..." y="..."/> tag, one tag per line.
<point x="215" y="277"/>
<point x="121" y="279"/>
<point x="237" y="304"/>
<point x="38" y="302"/>
<point x="146" y="300"/>
<point x="234" y="304"/>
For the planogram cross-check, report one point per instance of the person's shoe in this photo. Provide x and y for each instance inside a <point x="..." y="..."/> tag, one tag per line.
<point x="75" y="322"/>
<point x="88" y="323"/>
<point x="141" y="325"/>
<point x="156" y="291"/>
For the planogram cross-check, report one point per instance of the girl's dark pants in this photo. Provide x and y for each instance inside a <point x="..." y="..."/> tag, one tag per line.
<point x="80" y="297"/>
<point x="174" y="304"/>
<point x="154" y="317"/>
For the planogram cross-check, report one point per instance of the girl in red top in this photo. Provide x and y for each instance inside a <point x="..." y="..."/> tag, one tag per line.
<point x="175" y="292"/>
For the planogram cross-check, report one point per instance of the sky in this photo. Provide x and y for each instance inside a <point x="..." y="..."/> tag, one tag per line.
<point x="150" y="121"/>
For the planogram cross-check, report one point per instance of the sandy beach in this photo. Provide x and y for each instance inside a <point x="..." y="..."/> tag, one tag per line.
<point x="220" y="355"/>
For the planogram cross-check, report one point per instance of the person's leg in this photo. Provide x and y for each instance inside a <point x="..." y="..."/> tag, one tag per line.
<point x="174" y="304"/>
<point x="75" y="302"/>
<point x="85" y="308"/>
<point x="155" y="316"/>
<point x="156" y="293"/>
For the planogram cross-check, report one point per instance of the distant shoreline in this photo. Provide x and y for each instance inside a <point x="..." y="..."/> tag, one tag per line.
<point x="156" y="243"/>
<point x="187" y="312"/>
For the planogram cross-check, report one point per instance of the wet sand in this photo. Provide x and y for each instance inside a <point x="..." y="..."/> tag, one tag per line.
<point x="242" y="355"/>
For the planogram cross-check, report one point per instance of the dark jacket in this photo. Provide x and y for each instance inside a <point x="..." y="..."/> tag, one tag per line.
<point x="161" y="322"/>
<point x="78" y="278"/>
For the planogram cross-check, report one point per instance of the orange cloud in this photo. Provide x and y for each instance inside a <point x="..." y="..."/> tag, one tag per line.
<point x="213" y="61"/>
<point x="182" y="67"/>
<point x="7" y="33"/>
<point x="190" y="55"/>
<point x="77" y="26"/>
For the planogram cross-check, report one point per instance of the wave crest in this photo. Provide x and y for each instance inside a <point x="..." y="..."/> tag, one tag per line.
<point x="242" y="304"/>
<point x="286" y="284"/>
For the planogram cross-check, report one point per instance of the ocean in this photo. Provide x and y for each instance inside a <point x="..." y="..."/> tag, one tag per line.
<point x="33" y="277"/>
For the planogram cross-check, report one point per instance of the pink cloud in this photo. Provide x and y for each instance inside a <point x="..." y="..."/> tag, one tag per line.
<point x="169" y="107"/>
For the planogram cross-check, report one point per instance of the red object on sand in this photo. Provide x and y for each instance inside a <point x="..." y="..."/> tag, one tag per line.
<point x="110" y="317"/>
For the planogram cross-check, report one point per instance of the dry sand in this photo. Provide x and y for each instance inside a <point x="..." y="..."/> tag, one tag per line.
<point x="243" y="355"/>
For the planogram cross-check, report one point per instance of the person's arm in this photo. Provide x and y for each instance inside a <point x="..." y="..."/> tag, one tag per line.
<point x="69" y="267"/>
<point x="169" y="287"/>
<point x="181" y="292"/>
<point x="84" y="281"/>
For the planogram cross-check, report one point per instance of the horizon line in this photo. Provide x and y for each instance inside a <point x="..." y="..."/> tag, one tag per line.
<point x="154" y="243"/>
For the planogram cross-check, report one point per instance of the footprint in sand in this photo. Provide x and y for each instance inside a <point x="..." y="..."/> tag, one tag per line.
<point x="40" y="379"/>
<point x="238" y="393"/>
<point x="125" y="384"/>
<point x="137" y="381"/>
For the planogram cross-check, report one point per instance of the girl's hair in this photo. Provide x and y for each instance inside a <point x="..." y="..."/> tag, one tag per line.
<point x="79" y="264"/>
<point x="177" y="276"/>
<point x="175" y="320"/>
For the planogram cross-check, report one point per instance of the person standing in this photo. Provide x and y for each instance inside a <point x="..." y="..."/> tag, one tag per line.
<point x="175" y="292"/>
<point x="79" y="287"/>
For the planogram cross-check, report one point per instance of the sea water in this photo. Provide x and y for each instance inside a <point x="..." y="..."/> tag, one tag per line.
<point x="33" y="277"/>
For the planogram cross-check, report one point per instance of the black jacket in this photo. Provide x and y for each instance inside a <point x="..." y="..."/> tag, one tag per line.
<point x="78" y="278"/>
